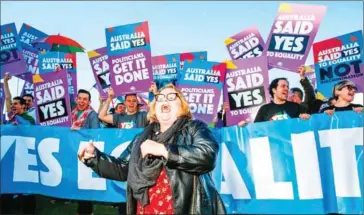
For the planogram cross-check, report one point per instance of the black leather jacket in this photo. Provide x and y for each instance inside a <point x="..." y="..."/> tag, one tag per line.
<point x="188" y="167"/>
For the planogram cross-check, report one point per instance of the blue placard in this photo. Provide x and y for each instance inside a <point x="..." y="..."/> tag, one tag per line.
<point x="29" y="34"/>
<point x="337" y="59"/>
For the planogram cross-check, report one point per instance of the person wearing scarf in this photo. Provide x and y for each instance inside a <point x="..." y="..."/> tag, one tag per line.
<point x="83" y="116"/>
<point x="168" y="166"/>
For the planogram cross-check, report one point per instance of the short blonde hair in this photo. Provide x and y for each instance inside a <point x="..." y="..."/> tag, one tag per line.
<point x="185" y="108"/>
<point x="340" y="85"/>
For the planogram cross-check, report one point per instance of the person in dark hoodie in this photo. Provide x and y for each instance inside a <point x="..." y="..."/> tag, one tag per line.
<point x="310" y="101"/>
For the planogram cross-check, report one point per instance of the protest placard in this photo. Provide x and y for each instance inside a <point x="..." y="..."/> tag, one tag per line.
<point x="292" y="34"/>
<point x="55" y="61"/>
<point x="245" y="44"/>
<point x="100" y="69"/>
<point x="246" y="88"/>
<point x="11" y="52"/>
<point x="51" y="98"/>
<point x="165" y="69"/>
<point x="129" y="57"/>
<point x="339" y="58"/>
<point x="201" y="83"/>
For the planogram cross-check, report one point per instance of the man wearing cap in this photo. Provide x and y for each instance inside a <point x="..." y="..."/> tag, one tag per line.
<point x="343" y="92"/>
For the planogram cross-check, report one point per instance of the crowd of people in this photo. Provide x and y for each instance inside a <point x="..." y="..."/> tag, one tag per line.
<point x="176" y="147"/>
<point x="289" y="103"/>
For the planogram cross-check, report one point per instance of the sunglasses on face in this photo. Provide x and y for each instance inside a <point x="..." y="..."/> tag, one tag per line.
<point x="169" y="96"/>
<point x="350" y="88"/>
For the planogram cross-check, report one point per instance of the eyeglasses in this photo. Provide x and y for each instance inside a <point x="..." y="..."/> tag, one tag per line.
<point x="350" y="87"/>
<point x="169" y="96"/>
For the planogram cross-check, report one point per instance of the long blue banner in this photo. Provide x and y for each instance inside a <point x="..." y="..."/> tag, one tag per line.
<point x="282" y="167"/>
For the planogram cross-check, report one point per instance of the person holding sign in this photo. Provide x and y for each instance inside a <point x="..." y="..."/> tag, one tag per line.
<point x="133" y="118"/>
<point x="310" y="100"/>
<point x="343" y="92"/>
<point x="168" y="166"/>
<point x="16" y="110"/>
<point x="18" y="115"/>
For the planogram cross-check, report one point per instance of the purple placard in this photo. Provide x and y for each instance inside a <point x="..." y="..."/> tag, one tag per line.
<point x="130" y="59"/>
<point x="2" y="101"/>
<point x="246" y="88"/>
<point x="100" y="68"/>
<point x="28" y="87"/>
<point x="203" y="100"/>
<point x="72" y="85"/>
<point x="292" y="34"/>
<point x="136" y="77"/>
<point x="31" y="57"/>
<point x="51" y="99"/>
<point x="11" y="56"/>
<point x="201" y="82"/>
<point x="245" y="44"/>
<point x="31" y="60"/>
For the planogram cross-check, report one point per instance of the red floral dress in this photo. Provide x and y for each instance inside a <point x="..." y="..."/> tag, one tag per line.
<point x="160" y="197"/>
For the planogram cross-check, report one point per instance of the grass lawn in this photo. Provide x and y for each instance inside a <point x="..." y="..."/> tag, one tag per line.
<point x="45" y="207"/>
